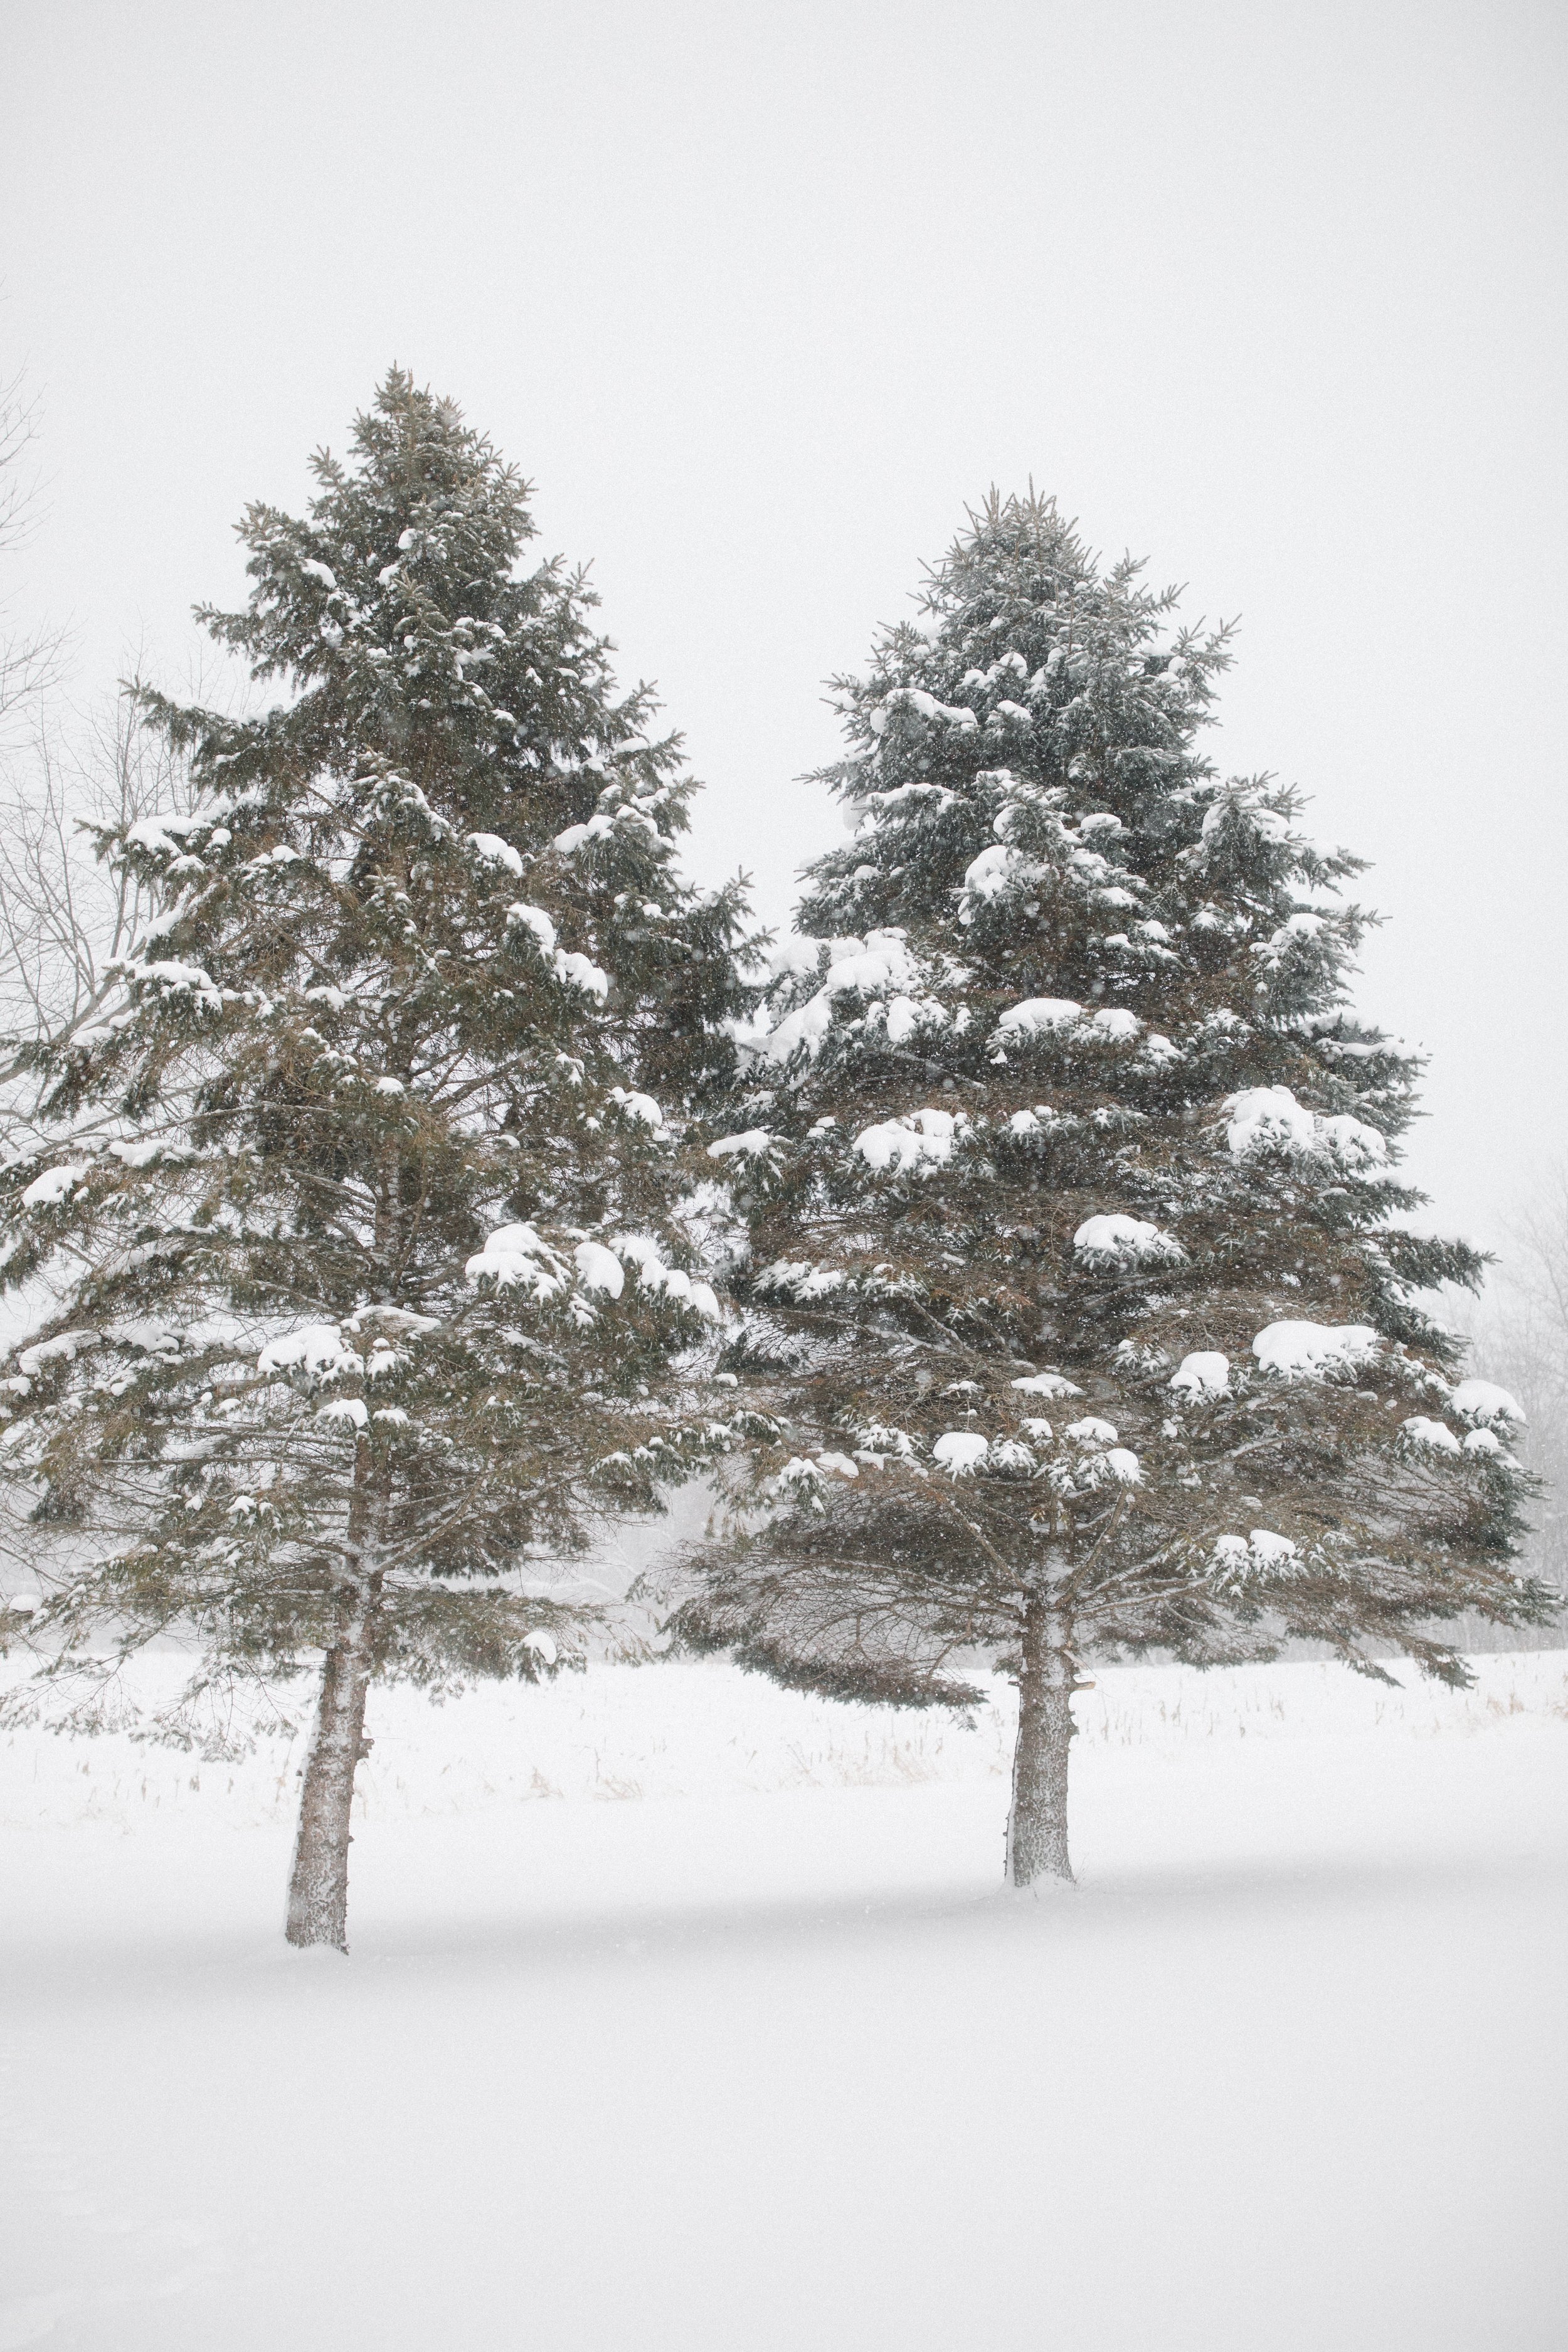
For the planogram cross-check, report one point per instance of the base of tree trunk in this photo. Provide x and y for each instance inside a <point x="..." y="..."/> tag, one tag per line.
<point x="318" y="1885"/>
<point x="1046" y="1888"/>
<point x="1037" y="1851"/>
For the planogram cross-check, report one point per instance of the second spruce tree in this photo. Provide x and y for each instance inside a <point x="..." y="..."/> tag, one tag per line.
<point x="1078" y="1280"/>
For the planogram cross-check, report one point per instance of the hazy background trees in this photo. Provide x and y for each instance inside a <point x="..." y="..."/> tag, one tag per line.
<point x="67" y="775"/>
<point x="29" y="658"/>
<point x="1519" y="1333"/>
<point x="67" y="914"/>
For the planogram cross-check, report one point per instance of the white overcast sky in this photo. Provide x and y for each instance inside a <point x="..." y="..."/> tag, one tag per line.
<point x="761" y="296"/>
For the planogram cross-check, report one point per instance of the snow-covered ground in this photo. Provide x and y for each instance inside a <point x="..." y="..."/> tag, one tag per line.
<point x="683" y="2013"/>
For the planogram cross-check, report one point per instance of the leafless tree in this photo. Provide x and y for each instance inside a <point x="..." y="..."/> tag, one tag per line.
<point x="67" y="914"/>
<point x="29" y="659"/>
<point x="1523" y="1342"/>
<point x="1519" y="1337"/>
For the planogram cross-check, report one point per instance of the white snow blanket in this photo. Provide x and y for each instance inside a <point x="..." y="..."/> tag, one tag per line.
<point x="684" y="2012"/>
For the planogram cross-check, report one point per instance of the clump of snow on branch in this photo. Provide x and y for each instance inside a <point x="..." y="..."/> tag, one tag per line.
<point x="960" y="1451"/>
<point x="516" y="1257"/>
<point x="1047" y="1384"/>
<point x="1039" y="1016"/>
<point x="599" y="1268"/>
<point x="1238" y="1561"/>
<point x="494" y="851"/>
<point x="1300" y="1351"/>
<point x="47" y="1191"/>
<point x="1269" y="1118"/>
<point x="318" y="1350"/>
<point x="879" y="965"/>
<point x="641" y="1107"/>
<point x="925" y="1139"/>
<point x="755" y="1143"/>
<point x="1429" y="1436"/>
<point x="1122" y="1240"/>
<point x="1484" y="1405"/>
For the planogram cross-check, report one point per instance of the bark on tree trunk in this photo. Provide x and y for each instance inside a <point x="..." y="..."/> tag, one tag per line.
<point x="318" y="1886"/>
<point x="1037" y="1823"/>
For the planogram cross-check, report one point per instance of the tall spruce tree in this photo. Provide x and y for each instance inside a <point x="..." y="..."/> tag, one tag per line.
<point x="356" y="1213"/>
<point x="1077" y="1281"/>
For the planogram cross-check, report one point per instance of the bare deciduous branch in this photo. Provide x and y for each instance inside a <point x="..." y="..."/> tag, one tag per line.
<point x="29" y="660"/>
<point x="66" y="914"/>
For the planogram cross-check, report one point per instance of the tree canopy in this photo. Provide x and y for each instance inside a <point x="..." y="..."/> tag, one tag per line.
<point x="353" y="1213"/>
<point x="1082" y="1278"/>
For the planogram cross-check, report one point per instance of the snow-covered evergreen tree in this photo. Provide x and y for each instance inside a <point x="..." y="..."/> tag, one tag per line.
<point x="355" y="1218"/>
<point x="1078" y="1279"/>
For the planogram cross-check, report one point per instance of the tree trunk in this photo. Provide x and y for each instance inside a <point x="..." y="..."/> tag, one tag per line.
<point x="1037" y="1823"/>
<point x="319" y="1887"/>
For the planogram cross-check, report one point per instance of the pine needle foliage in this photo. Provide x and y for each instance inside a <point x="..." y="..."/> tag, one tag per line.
<point x="1080" y="1274"/>
<point x="365" y="1292"/>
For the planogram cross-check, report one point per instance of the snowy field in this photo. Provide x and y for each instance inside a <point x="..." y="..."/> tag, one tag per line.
<point x="684" y="2013"/>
